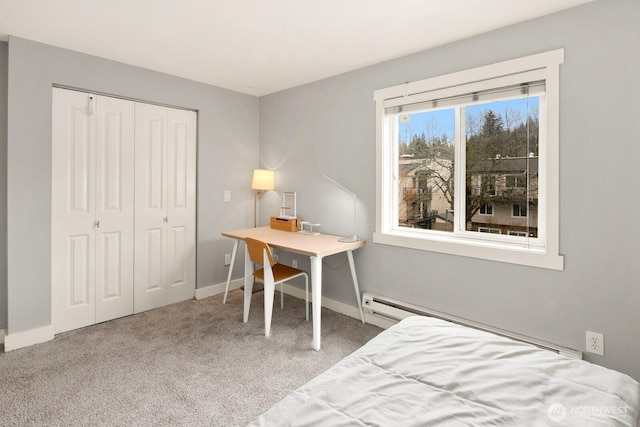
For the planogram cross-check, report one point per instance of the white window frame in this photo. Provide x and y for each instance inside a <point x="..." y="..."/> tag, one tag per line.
<point x="544" y="252"/>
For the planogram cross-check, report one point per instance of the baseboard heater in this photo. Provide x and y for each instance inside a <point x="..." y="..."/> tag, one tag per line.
<point x="384" y="312"/>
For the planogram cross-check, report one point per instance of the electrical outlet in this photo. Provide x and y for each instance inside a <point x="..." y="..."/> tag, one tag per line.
<point x="227" y="259"/>
<point x="294" y="263"/>
<point x="595" y="343"/>
<point x="227" y="195"/>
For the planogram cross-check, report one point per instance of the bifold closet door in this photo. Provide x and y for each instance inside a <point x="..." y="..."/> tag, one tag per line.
<point x="181" y="205"/>
<point x="92" y="209"/>
<point x="114" y="208"/>
<point x="73" y="211"/>
<point x="165" y="206"/>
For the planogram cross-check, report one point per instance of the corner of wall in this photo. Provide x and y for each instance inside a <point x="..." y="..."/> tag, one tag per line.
<point x="4" y="88"/>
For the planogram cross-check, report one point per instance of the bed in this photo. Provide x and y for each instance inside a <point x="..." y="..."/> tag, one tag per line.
<point x="425" y="371"/>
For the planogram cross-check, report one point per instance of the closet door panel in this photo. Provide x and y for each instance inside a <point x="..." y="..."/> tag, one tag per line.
<point x="79" y="271"/>
<point x="109" y="257"/>
<point x="154" y="259"/>
<point x="179" y="265"/>
<point x="150" y="205"/>
<point x="114" y="208"/>
<point x="181" y="205"/>
<point x="72" y="211"/>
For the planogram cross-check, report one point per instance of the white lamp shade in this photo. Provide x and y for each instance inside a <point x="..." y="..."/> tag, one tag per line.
<point x="263" y="179"/>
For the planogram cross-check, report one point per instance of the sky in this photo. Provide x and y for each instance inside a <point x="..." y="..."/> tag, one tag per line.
<point x="442" y="122"/>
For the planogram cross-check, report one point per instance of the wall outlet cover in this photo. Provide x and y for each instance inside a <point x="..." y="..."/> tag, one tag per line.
<point x="594" y="343"/>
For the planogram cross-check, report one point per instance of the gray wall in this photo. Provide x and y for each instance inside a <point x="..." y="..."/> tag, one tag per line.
<point x="328" y="127"/>
<point x="227" y="153"/>
<point x="3" y="185"/>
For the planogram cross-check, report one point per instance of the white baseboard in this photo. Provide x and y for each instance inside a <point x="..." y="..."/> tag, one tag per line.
<point x="211" y="290"/>
<point x="331" y="304"/>
<point x="27" y="338"/>
<point x="379" y="321"/>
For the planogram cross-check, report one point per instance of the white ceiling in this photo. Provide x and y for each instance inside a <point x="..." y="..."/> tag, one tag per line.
<point x="259" y="46"/>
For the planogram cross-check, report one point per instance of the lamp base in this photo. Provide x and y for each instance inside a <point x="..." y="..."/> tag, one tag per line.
<point x="351" y="239"/>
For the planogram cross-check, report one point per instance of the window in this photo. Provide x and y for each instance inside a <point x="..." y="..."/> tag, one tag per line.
<point x="517" y="233"/>
<point x="489" y="230"/>
<point x="455" y="149"/>
<point x="516" y="181"/>
<point x="518" y="210"/>
<point x="486" y="209"/>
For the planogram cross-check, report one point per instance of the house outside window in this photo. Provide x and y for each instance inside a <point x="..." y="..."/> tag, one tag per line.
<point x="458" y="153"/>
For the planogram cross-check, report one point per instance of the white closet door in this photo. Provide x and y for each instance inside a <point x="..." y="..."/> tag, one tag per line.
<point x="114" y="208"/>
<point x="123" y="207"/>
<point x="165" y="206"/>
<point x="72" y="211"/>
<point x="150" y="204"/>
<point x="181" y="205"/>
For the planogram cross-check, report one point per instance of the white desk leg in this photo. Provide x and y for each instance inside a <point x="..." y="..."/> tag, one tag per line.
<point x="269" y="289"/>
<point x="233" y="260"/>
<point x="316" y="299"/>
<point x="248" y="283"/>
<point x="355" y="283"/>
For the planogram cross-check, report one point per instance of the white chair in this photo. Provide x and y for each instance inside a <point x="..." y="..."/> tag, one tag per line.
<point x="272" y="274"/>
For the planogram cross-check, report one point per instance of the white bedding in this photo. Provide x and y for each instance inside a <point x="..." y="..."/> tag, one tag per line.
<point x="429" y="372"/>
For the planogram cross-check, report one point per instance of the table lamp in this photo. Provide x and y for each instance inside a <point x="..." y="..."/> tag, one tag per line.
<point x="263" y="180"/>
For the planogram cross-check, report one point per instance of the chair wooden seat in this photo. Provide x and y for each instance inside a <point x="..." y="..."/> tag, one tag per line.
<point x="281" y="273"/>
<point x="272" y="274"/>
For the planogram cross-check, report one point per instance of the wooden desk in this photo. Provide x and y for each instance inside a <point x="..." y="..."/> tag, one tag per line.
<point x="315" y="247"/>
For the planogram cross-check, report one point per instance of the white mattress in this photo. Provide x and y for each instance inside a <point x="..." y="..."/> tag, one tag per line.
<point x="429" y="372"/>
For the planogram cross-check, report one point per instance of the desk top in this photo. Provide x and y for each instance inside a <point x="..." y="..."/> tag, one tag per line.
<point x="321" y="245"/>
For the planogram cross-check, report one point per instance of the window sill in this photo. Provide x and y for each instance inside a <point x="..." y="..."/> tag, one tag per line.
<point x="532" y="257"/>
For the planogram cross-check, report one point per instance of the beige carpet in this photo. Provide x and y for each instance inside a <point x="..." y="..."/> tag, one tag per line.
<point x="189" y="364"/>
